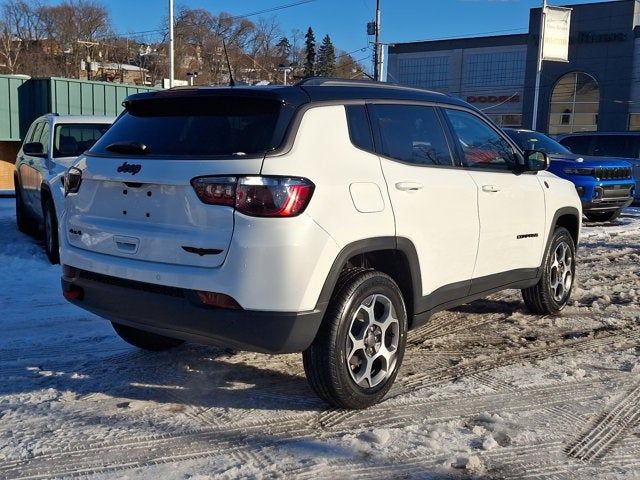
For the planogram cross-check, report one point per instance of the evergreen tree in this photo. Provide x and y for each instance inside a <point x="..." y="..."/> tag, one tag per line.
<point x="283" y="47"/>
<point x="310" y="54"/>
<point x="327" y="58"/>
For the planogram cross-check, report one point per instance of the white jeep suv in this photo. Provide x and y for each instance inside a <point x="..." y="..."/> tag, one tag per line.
<point x="51" y="145"/>
<point x="326" y="218"/>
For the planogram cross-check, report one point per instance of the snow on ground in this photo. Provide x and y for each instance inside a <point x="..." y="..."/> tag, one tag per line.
<point x="486" y="390"/>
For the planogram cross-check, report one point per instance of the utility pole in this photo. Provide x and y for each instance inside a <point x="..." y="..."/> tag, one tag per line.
<point x="171" y="64"/>
<point x="376" y="45"/>
<point x="536" y="94"/>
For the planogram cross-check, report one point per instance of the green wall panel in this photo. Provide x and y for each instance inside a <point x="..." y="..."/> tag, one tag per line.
<point x="23" y="99"/>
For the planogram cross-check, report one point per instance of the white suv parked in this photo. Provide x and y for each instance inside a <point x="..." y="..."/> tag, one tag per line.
<point x="51" y="145"/>
<point x="326" y="218"/>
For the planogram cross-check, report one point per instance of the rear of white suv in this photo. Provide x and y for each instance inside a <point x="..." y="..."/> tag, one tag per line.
<point x="261" y="219"/>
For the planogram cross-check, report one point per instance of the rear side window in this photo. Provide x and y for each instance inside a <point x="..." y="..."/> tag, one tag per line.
<point x="615" y="146"/>
<point x="359" y="129"/>
<point x="71" y="140"/>
<point x="578" y="145"/>
<point x="411" y="133"/>
<point x="199" y="126"/>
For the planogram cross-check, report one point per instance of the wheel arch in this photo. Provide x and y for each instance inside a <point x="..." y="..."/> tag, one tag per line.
<point x="396" y="257"/>
<point x="569" y="218"/>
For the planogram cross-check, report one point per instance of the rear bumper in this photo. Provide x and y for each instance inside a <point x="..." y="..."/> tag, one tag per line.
<point x="176" y="313"/>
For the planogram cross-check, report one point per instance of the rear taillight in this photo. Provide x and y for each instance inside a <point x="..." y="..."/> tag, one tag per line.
<point x="216" y="190"/>
<point x="72" y="180"/>
<point x="256" y="196"/>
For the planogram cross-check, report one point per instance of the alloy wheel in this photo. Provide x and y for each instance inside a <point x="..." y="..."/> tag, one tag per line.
<point x="372" y="342"/>
<point x="561" y="272"/>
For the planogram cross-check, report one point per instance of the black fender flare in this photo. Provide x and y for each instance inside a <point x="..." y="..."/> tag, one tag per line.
<point x="370" y="245"/>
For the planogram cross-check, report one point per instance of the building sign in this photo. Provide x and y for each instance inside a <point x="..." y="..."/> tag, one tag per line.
<point x="493" y="98"/>
<point x="556" y="34"/>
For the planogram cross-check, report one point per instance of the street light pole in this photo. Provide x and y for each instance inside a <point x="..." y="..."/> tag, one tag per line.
<point x="171" y="62"/>
<point x="536" y="93"/>
<point x="376" y="45"/>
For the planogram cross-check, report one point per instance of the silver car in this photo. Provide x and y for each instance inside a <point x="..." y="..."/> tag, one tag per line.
<point x="51" y="145"/>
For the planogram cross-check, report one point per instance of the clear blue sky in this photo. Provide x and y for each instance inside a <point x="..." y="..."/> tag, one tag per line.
<point x="345" y="20"/>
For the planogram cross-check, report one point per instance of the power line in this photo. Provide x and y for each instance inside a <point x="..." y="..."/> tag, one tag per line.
<point x="273" y="9"/>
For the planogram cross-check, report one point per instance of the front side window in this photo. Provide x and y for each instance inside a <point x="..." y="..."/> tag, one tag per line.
<point x="411" y="133"/>
<point x="579" y="145"/>
<point x="44" y="139"/>
<point x="37" y="133"/>
<point x="72" y="139"/>
<point x="481" y="145"/>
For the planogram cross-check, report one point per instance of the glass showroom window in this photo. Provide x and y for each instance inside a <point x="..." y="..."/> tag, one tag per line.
<point x="575" y="102"/>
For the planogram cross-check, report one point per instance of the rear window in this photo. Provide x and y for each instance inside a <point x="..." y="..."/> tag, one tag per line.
<point x="71" y="139"/>
<point x="200" y="126"/>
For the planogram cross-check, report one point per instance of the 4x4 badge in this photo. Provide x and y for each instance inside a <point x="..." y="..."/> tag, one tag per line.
<point x="131" y="168"/>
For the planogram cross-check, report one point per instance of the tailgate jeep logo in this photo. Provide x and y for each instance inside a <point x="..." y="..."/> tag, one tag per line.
<point x="131" y="168"/>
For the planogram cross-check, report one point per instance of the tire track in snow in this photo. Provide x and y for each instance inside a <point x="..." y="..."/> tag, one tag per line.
<point x="422" y="380"/>
<point x="405" y="412"/>
<point x="140" y="451"/>
<point x="608" y="427"/>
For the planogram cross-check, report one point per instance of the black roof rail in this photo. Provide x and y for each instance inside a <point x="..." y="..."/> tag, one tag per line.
<point x="345" y="82"/>
<point x="317" y="81"/>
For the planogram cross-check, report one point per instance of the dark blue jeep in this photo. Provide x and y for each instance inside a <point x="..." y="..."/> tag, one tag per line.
<point x="605" y="185"/>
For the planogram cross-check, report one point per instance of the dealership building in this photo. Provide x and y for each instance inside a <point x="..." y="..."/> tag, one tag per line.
<point x="598" y="89"/>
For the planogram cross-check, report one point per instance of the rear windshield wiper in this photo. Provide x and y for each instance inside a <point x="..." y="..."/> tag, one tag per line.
<point x="132" y="148"/>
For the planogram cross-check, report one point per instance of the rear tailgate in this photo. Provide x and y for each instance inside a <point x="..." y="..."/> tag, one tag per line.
<point x="155" y="215"/>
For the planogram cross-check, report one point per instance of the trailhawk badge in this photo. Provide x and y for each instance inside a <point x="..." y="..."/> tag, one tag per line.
<point x="131" y="168"/>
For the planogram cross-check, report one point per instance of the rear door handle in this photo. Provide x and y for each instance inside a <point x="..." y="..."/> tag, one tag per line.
<point x="408" y="186"/>
<point x="490" y="188"/>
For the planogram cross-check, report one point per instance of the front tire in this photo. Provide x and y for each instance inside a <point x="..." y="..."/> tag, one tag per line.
<point x="24" y="222"/>
<point x="145" y="340"/>
<point x="359" y="348"/>
<point x="602" y="216"/>
<point x="51" y="243"/>
<point x="552" y="292"/>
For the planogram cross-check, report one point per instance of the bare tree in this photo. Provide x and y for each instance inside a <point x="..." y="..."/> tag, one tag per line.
<point x="76" y="26"/>
<point x="21" y="33"/>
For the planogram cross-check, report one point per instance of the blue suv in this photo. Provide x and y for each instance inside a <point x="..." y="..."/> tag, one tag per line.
<point x="605" y="185"/>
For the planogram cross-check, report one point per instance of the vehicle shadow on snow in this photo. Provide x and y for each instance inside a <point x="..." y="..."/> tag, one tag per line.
<point x="18" y="245"/>
<point x="190" y="375"/>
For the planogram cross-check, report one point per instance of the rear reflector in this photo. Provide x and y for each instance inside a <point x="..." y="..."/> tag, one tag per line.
<point x="218" y="300"/>
<point x="74" y="293"/>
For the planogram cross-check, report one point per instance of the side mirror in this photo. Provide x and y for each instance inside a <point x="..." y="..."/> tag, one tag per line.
<point x="33" y="148"/>
<point x="535" y="161"/>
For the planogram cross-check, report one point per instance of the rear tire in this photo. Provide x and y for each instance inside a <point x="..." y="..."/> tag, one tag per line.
<point x="51" y="243"/>
<point x="355" y="357"/>
<point x="145" y="340"/>
<point x="552" y="292"/>
<point x="603" y="216"/>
